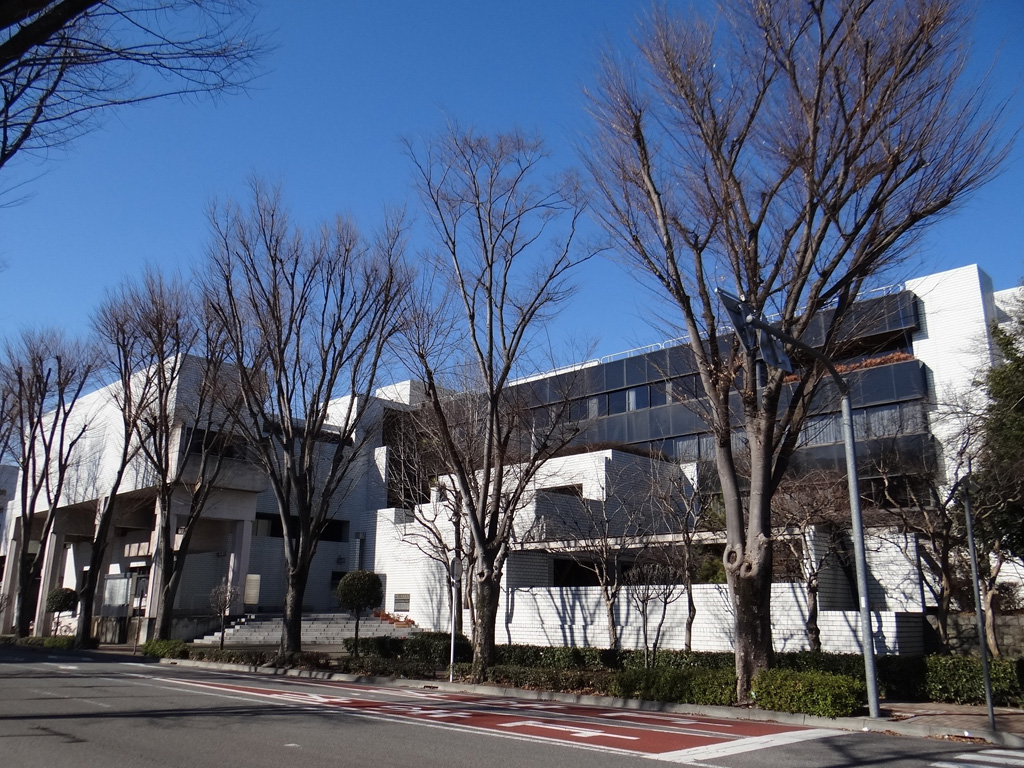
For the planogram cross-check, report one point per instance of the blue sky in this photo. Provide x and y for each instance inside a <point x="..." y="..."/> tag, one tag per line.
<point x="346" y="80"/>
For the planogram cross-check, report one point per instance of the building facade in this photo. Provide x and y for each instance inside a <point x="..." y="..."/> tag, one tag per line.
<point x="912" y="350"/>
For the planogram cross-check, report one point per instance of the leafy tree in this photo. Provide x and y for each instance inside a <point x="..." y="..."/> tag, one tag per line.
<point x="997" y="487"/>
<point x="359" y="591"/>
<point x="60" y="600"/>
<point x="790" y="152"/>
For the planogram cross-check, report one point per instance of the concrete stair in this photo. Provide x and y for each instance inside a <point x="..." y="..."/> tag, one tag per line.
<point x="317" y="629"/>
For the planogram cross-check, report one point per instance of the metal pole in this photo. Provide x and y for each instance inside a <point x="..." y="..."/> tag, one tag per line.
<point x="455" y="573"/>
<point x="853" y="484"/>
<point x="979" y="613"/>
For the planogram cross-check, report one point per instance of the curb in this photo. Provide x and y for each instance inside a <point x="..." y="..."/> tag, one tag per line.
<point x="854" y="724"/>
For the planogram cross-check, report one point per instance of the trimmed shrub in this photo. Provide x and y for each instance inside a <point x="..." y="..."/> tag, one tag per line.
<point x="556" y="657"/>
<point x="166" y="649"/>
<point x="435" y="648"/>
<point x="383" y="646"/>
<point x="846" y="664"/>
<point x="61" y="600"/>
<point x="721" y="660"/>
<point x="553" y="678"/>
<point x="902" y="677"/>
<point x="58" y="643"/>
<point x="958" y="680"/>
<point x="810" y="693"/>
<point x="230" y="656"/>
<point x="708" y="687"/>
<point x="377" y="666"/>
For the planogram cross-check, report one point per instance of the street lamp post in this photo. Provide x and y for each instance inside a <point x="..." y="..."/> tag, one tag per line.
<point x="744" y="320"/>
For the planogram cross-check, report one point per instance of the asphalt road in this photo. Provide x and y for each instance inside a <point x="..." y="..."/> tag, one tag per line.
<point x="88" y="712"/>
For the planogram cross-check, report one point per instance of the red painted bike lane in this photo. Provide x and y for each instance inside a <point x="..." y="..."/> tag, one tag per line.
<point x="655" y="734"/>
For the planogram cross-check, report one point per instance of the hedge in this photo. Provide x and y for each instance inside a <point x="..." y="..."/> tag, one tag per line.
<point x="435" y="648"/>
<point x="586" y="681"/>
<point x="958" y="680"/>
<point x="59" y="642"/>
<point x="813" y="693"/>
<point x="707" y="687"/>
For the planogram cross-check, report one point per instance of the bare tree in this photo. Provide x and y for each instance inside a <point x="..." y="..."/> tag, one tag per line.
<point x="604" y="535"/>
<point x="222" y="597"/>
<point x="813" y="512"/>
<point x="652" y="585"/>
<point x="688" y="514"/>
<point x="43" y="378"/>
<point x="184" y="430"/>
<point x="62" y="62"/>
<point x="132" y="390"/>
<point x="506" y="242"/>
<point x="306" y="319"/>
<point x="791" y="152"/>
<point x="431" y="519"/>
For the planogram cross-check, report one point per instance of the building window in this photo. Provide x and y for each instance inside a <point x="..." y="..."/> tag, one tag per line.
<point x="637" y="399"/>
<point x="617" y="401"/>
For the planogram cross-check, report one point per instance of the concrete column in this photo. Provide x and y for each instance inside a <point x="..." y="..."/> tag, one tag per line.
<point x="10" y="576"/>
<point x="238" y="566"/>
<point x="154" y="594"/>
<point x="52" y="571"/>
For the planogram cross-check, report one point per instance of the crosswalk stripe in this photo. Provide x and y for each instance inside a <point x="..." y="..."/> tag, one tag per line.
<point x="713" y="751"/>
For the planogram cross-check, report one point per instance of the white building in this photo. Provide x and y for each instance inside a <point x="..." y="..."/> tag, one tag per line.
<point x="924" y="342"/>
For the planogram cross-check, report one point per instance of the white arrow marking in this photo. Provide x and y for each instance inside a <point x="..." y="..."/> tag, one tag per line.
<point x="580" y="733"/>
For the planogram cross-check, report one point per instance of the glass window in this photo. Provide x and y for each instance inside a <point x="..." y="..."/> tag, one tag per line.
<point x="617" y="402"/>
<point x="637" y="398"/>
<point x="661" y="393"/>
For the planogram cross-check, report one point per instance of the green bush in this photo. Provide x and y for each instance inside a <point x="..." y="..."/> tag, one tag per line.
<point x="59" y="643"/>
<point x="958" y="680"/>
<point x="435" y="648"/>
<point x="553" y="678"/>
<point x="556" y="657"/>
<point x="812" y="693"/>
<point x="902" y="678"/>
<point x="384" y="646"/>
<point x="708" y="687"/>
<point x="232" y="656"/>
<point x="846" y="664"/>
<point x="165" y="649"/>
<point x="721" y="660"/>
<point x="61" y="600"/>
<point x="377" y="666"/>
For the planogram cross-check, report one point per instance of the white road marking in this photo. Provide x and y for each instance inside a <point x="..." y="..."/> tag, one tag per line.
<point x="664" y="718"/>
<point x="579" y="733"/>
<point x="714" y="751"/>
<point x="992" y="756"/>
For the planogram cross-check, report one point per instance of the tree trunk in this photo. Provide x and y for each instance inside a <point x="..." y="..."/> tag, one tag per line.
<point x="87" y="597"/>
<point x="988" y="601"/>
<point x="750" y="586"/>
<point x="488" y="592"/>
<point x="813" y="631"/>
<point x="291" y="624"/>
<point x="691" y="616"/>
<point x="28" y="567"/>
<point x="613" y="628"/>
<point x="355" y="640"/>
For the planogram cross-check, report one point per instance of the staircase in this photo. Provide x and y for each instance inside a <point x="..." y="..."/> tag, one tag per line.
<point x="317" y="629"/>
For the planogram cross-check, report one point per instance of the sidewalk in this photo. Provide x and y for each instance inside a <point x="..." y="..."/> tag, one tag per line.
<point x="928" y="719"/>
